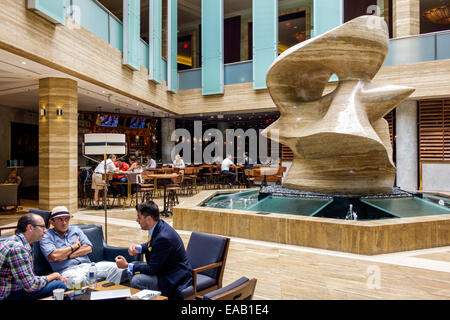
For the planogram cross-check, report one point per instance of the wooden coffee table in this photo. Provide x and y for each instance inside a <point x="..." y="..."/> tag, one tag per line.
<point x="99" y="287"/>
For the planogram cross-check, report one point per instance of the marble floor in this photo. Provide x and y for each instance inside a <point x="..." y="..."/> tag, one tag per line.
<point x="294" y="273"/>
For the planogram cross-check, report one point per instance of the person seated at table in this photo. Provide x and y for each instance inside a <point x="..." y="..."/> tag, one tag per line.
<point x="167" y="268"/>
<point x="248" y="164"/>
<point x="225" y="168"/>
<point x="135" y="166"/>
<point x="13" y="178"/>
<point x="122" y="166"/>
<point x="18" y="280"/>
<point x="97" y="177"/>
<point x="66" y="248"/>
<point x="151" y="163"/>
<point x="178" y="163"/>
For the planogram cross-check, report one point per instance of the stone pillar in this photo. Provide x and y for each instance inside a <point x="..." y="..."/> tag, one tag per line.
<point x="167" y="127"/>
<point x="58" y="144"/>
<point x="406" y="145"/>
<point x="406" y="18"/>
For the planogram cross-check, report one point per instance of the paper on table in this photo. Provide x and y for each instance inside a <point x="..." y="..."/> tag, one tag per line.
<point x="146" y="294"/>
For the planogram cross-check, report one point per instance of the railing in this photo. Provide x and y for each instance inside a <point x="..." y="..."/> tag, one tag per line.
<point x="99" y="20"/>
<point x="412" y="49"/>
<point x="419" y="48"/>
<point x="93" y="16"/>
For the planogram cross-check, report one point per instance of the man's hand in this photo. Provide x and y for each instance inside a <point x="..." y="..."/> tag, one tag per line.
<point x="56" y="276"/>
<point x="132" y="251"/>
<point x="77" y="244"/>
<point x="121" y="262"/>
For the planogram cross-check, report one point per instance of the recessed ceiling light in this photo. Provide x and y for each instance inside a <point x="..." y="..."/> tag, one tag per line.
<point x="23" y="62"/>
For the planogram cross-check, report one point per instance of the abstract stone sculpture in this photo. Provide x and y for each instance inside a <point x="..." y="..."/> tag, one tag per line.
<point x="340" y="141"/>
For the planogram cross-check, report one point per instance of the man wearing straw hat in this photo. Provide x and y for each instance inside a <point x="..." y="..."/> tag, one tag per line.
<point x="67" y="247"/>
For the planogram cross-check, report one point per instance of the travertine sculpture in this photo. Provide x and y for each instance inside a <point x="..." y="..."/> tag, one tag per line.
<point x="340" y="140"/>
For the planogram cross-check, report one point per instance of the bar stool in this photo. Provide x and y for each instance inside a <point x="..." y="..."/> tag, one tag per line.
<point x="173" y="189"/>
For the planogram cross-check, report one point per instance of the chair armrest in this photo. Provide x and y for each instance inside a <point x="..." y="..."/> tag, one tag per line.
<point x="110" y="253"/>
<point x="207" y="267"/>
<point x="201" y="269"/>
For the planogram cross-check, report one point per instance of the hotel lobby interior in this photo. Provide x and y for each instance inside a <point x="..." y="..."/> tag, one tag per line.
<point x="344" y="109"/>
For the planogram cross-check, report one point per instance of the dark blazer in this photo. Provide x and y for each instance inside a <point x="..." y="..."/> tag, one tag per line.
<point x="166" y="258"/>
<point x="248" y="163"/>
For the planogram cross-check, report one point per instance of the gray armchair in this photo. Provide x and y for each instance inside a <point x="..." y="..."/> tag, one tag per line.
<point x="207" y="254"/>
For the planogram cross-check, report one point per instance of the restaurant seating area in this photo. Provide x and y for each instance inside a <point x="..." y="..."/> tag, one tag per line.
<point x="190" y="180"/>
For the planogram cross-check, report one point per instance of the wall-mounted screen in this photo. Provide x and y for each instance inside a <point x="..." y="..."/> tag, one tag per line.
<point x="137" y="123"/>
<point x="108" y="120"/>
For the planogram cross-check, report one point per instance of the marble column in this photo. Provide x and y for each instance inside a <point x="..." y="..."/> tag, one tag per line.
<point x="406" y="18"/>
<point x="58" y="144"/>
<point x="167" y="127"/>
<point x="406" y="145"/>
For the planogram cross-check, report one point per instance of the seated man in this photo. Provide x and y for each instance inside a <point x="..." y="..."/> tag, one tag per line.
<point x="167" y="269"/>
<point x="151" y="163"/>
<point x="226" y="163"/>
<point x="67" y="247"/>
<point x="248" y="164"/>
<point x="13" y="178"/>
<point x="123" y="166"/>
<point x="97" y="177"/>
<point x="17" y="278"/>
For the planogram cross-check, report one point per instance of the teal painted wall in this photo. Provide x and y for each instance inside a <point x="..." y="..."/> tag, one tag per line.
<point x="212" y="47"/>
<point x="53" y="9"/>
<point x="93" y="18"/>
<point x="155" y="14"/>
<point x="327" y="14"/>
<point x="265" y="39"/>
<point x="172" y="46"/>
<point x="131" y="33"/>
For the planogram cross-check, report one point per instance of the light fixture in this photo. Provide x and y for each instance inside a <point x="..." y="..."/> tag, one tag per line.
<point x="439" y="15"/>
<point x="43" y="112"/>
<point x="59" y="112"/>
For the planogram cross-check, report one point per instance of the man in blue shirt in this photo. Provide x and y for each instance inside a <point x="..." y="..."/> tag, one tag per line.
<point x="67" y="247"/>
<point x="167" y="269"/>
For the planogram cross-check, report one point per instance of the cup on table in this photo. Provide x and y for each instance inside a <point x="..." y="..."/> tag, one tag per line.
<point x="58" y="294"/>
<point x="77" y="285"/>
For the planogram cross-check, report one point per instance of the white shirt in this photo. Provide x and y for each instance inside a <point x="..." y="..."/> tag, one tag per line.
<point x="110" y="167"/>
<point x="150" y="165"/>
<point x="226" y="164"/>
<point x="179" y="165"/>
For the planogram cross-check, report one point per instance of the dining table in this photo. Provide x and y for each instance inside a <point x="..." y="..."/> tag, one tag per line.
<point x="165" y="179"/>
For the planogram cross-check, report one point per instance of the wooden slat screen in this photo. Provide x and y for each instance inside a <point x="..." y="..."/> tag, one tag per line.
<point x="390" y="120"/>
<point x="434" y="130"/>
<point x="286" y="153"/>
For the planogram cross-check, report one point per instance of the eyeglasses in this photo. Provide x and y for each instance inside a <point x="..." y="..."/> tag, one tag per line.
<point x="39" y="225"/>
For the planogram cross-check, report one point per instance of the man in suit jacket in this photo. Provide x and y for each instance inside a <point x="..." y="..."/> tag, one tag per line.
<point x="167" y="269"/>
